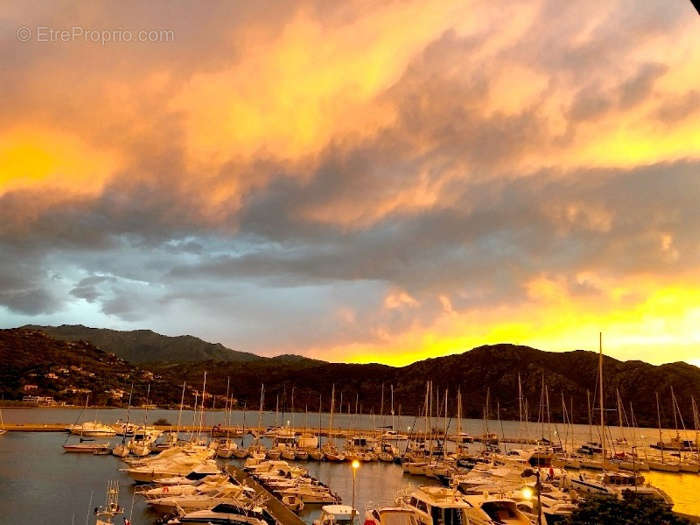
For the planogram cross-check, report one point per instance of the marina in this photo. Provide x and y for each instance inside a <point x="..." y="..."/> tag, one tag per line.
<point x="378" y="482"/>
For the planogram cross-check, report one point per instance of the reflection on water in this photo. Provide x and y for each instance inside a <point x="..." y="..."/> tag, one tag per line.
<point x="42" y="485"/>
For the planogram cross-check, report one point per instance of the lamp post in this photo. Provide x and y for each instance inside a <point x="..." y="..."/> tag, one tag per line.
<point x="538" y="487"/>
<point x="355" y="465"/>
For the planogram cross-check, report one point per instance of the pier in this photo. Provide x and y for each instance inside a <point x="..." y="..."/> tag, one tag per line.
<point x="279" y="511"/>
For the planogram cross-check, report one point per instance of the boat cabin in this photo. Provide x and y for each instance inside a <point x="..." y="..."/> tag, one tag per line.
<point x="336" y="515"/>
<point x="438" y="506"/>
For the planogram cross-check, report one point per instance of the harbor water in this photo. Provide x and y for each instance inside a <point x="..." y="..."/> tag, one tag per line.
<point x="41" y="484"/>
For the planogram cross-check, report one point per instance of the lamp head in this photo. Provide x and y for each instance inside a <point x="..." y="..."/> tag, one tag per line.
<point x="355" y="464"/>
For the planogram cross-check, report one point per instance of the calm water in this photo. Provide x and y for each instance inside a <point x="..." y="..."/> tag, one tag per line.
<point x="39" y="481"/>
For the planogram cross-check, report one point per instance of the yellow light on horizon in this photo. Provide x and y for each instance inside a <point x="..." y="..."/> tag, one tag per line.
<point x="355" y="464"/>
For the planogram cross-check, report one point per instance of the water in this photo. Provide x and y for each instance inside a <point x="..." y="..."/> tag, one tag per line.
<point x="42" y="485"/>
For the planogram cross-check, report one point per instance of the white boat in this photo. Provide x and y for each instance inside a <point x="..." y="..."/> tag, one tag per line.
<point x="199" y="501"/>
<point x="92" y="429"/>
<point x="336" y="515"/>
<point x="192" y="468"/>
<point x="223" y="513"/>
<point x="496" y="510"/>
<point x="616" y="483"/>
<point x="188" y="488"/>
<point x="393" y="435"/>
<point x="390" y="516"/>
<point x="462" y="437"/>
<point x="87" y="447"/>
<point x="441" y="505"/>
<point x="307" y="441"/>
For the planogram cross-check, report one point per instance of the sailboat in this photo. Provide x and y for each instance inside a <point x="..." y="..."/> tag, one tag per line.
<point x="111" y="508"/>
<point x="86" y="445"/>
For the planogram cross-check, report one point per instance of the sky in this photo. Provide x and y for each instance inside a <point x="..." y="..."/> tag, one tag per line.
<point x="356" y="181"/>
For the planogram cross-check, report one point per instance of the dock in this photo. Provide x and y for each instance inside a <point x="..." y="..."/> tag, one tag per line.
<point x="279" y="511"/>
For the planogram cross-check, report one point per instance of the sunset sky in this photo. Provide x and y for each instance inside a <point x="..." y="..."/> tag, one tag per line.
<point x="356" y="180"/>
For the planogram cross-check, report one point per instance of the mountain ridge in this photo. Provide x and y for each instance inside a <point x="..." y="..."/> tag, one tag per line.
<point x="497" y="368"/>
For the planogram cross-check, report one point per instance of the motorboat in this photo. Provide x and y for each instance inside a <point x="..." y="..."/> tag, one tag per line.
<point x="311" y="493"/>
<point x="616" y="483"/>
<point x="307" y="441"/>
<point x="462" y="437"/>
<point x="200" y="501"/>
<point x="336" y="515"/>
<point x="87" y="447"/>
<point x="153" y="472"/>
<point x="441" y="505"/>
<point x="393" y="435"/>
<point x="223" y="514"/>
<point x="188" y="487"/>
<point x="390" y="516"/>
<point x="495" y="509"/>
<point x="92" y="429"/>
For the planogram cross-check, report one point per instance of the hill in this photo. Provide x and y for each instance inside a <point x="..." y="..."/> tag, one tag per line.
<point x="38" y="365"/>
<point x="144" y="346"/>
<point x="493" y="367"/>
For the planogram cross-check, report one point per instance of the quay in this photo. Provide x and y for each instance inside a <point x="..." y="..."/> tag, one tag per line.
<point x="279" y="511"/>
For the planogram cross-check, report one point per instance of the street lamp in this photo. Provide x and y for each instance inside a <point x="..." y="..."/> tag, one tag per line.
<point x="538" y="486"/>
<point x="355" y="465"/>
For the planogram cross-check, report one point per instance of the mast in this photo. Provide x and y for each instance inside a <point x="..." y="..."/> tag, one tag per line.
<point x="330" y="423"/>
<point x="182" y="402"/>
<point x="381" y="407"/>
<point x="520" y="405"/>
<point x="393" y="421"/>
<point x="320" y="405"/>
<point x="658" y="418"/>
<point x="444" y="443"/>
<point x="260" y="411"/>
<point x="145" y="414"/>
<point x="590" y="417"/>
<point x="602" y="397"/>
<point x="459" y="412"/>
<point x="292" y="416"/>
<point x="201" y="406"/>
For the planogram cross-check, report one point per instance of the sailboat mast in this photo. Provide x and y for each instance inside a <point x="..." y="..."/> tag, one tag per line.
<point x="658" y="418"/>
<point x="602" y="397"/>
<point x="182" y="402"/>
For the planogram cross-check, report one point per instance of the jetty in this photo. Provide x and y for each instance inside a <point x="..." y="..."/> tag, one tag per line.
<point x="279" y="511"/>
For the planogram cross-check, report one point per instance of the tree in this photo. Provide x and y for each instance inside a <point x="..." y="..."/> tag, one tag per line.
<point x="633" y="509"/>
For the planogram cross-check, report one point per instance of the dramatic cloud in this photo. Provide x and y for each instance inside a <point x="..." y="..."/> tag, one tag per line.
<point x="356" y="181"/>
